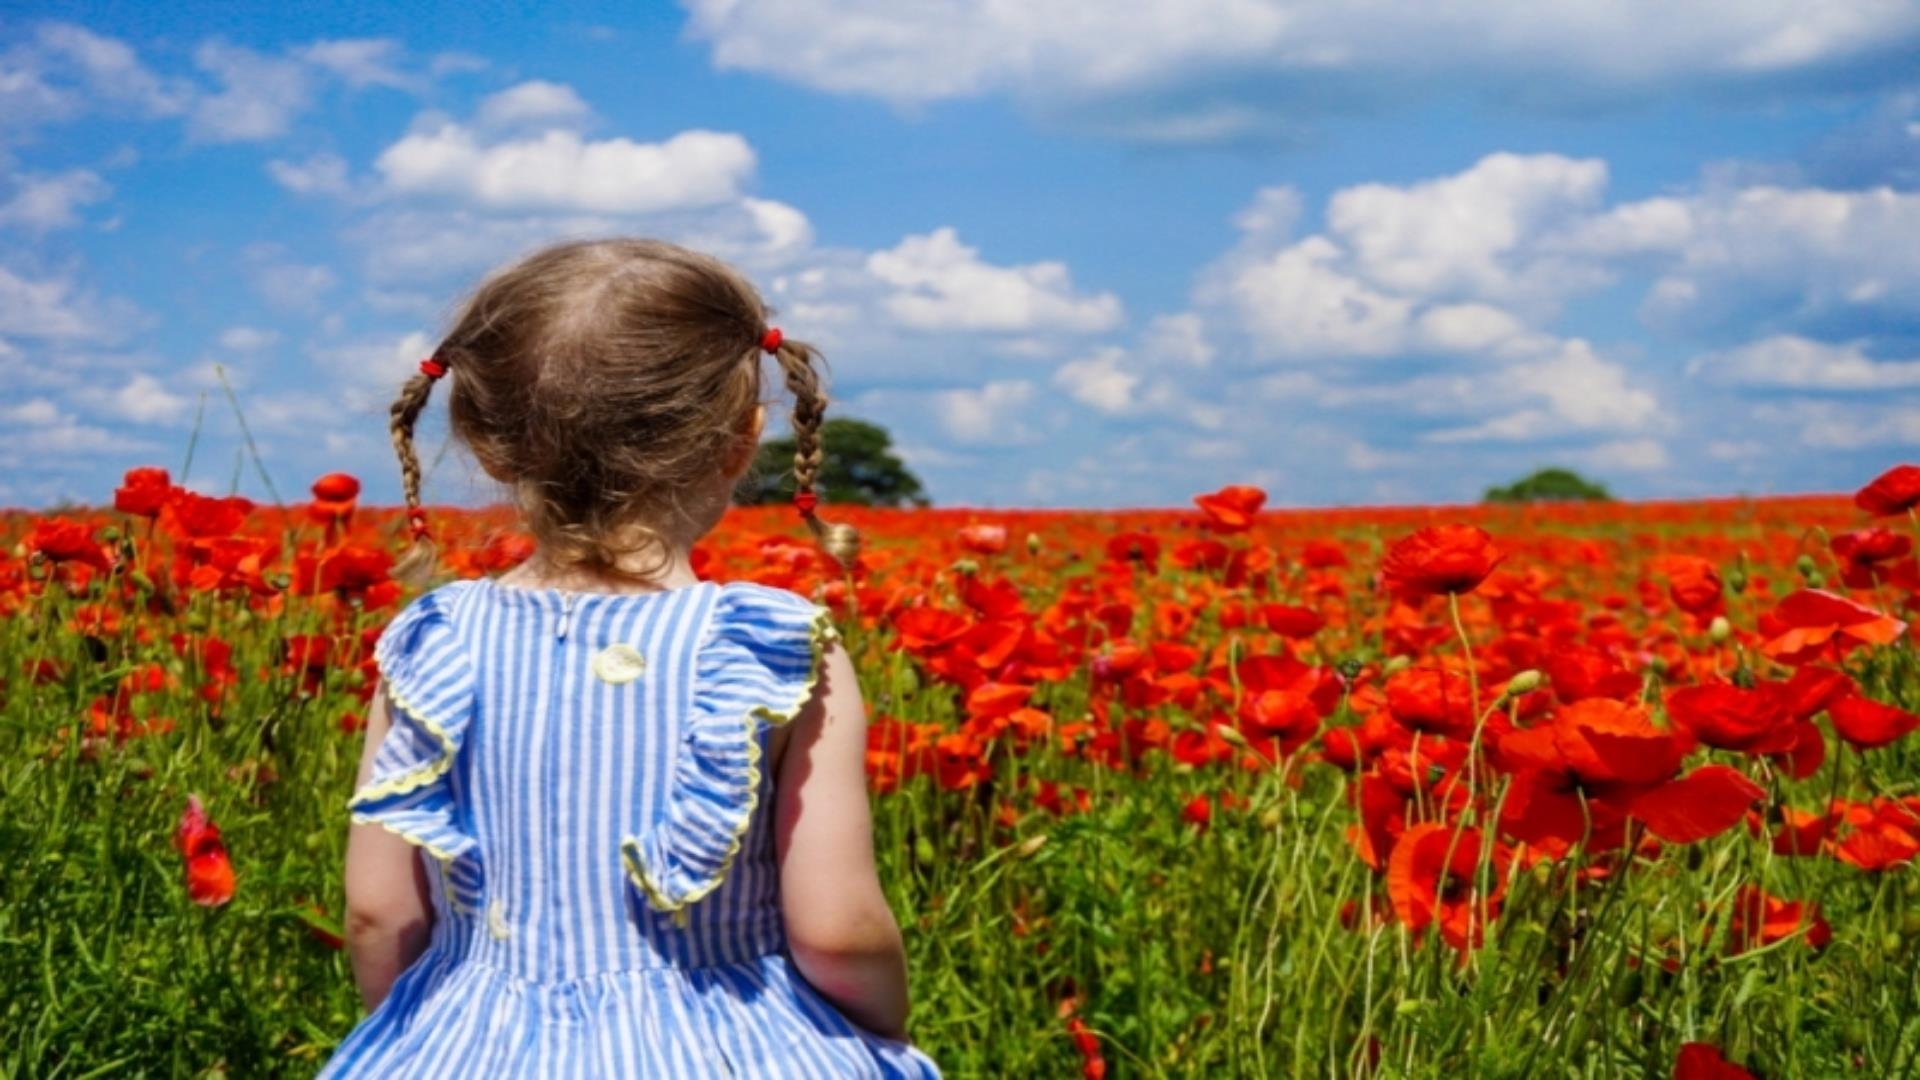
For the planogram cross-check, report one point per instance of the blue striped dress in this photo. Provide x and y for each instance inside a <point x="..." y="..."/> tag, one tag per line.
<point x="581" y="773"/>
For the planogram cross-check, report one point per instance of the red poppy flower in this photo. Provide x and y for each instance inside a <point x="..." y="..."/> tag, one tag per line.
<point x="1867" y="724"/>
<point x="1694" y="584"/>
<point x="1198" y="812"/>
<point x="61" y="541"/>
<point x="143" y="491"/>
<point x="1895" y="491"/>
<point x="1727" y="717"/>
<point x="1608" y="742"/>
<point x="1759" y="919"/>
<point x="1432" y="878"/>
<point x="1432" y="701"/>
<point x="984" y="539"/>
<point x="1706" y="802"/>
<point x="1292" y="622"/>
<point x="1813" y="623"/>
<point x="209" y="872"/>
<point x="1440" y="559"/>
<point x="1878" y="845"/>
<point x="1703" y="1061"/>
<point x="1232" y="508"/>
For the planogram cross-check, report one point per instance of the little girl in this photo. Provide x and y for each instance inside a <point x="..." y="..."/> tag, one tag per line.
<point x="578" y="749"/>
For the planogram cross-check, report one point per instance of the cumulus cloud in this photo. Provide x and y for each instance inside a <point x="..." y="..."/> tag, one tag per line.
<point x="560" y="170"/>
<point x="986" y="414"/>
<point x="40" y="203"/>
<point x="63" y="70"/>
<point x="939" y="283"/>
<point x="1082" y="53"/>
<point x="1791" y="362"/>
<point x="1099" y="381"/>
<point x="359" y="62"/>
<point x="535" y="101"/>
<point x="56" y="309"/>
<point x="142" y="399"/>
<point x="258" y="98"/>
<point x="321" y="174"/>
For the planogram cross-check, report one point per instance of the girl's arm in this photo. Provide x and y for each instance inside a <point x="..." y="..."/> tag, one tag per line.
<point x="842" y="935"/>
<point x="389" y="915"/>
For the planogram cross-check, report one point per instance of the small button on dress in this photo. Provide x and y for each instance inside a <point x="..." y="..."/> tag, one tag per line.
<point x="581" y="772"/>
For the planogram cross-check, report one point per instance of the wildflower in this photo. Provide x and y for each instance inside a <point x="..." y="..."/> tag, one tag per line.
<point x="1440" y="559"/>
<point x="1703" y="1061"/>
<point x="1231" y="509"/>
<point x="1812" y="624"/>
<point x="143" y="492"/>
<point x="1432" y="878"/>
<point x="210" y="876"/>
<point x="1895" y="491"/>
<point x="1867" y="724"/>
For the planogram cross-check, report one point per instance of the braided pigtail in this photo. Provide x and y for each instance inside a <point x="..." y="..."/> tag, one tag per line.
<point x="417" y="562"/>
<point x="841" y="541"/>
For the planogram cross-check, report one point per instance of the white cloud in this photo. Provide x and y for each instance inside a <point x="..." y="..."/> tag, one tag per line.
<point x="293" y="286"/>
<point x="55" y="309"/>
<point x="247" y="338"/>
<point x="1468" y="235"/>
<point x="359" y="62"/>
<point x="988" y="414"/>
<point x="322" y="174"/>
<point x="1297" y="301"/>
<point x="64" y="70"/>
<point x="258" y="98"/>
<point x="142" y="399"/>
<point x="1081" y="51"/>
<point x="558" y="170"/>
<point x="1099" y="381"/>
<point x="535" y="101"/>
<point x="1788" y="361"/>
<point x="1625" y="455"/>
<point x="40" y="203"/>
<point x="939" y="283"/>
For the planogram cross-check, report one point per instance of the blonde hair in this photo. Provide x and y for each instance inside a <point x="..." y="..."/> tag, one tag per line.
<point x="601" y="381"/>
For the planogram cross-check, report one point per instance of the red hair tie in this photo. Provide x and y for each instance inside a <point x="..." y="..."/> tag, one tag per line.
<point x="433" y="367"/>
<point x="805" y="501"/>
<point x="770" y="341"/>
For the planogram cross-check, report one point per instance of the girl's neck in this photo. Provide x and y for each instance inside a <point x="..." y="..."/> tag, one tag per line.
<point x="637" y="574"/>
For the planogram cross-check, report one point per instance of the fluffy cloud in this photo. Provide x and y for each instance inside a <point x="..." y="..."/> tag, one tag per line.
<point x="938" y="283"/>
<point x="536" y="101"/>
<point x="322" y="174"/>
<point x="1081" y="52"/>
<point x="1791" y="362"/>
<point x="63" y="70"/>
<point x="258" y="98"/>
<point x="560" y="170"/>
<point x="988" y="414"/>
<point x="39" y="203"/>
<point x="56" y="309"/>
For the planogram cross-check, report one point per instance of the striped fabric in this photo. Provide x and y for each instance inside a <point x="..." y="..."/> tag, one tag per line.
<point x="606" y="898"/>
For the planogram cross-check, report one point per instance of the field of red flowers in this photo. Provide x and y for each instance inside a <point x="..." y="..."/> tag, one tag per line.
<point x="1597" y="790"/>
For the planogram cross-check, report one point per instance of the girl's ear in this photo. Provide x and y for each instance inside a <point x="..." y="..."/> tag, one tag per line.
<point x="749" y="445"/>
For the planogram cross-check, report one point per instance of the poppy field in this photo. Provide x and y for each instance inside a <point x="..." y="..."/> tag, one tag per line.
<point x="1589" y="790"/>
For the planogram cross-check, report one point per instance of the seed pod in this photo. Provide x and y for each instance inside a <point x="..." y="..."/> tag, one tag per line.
<point x="1719" y="630"/>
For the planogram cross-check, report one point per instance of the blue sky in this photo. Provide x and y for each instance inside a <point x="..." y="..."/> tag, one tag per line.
<point x="1083" y="253"/>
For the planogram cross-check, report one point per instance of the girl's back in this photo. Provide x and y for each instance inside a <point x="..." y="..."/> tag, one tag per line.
<point x="612" y="818"/>
<point x="584" y="769"/>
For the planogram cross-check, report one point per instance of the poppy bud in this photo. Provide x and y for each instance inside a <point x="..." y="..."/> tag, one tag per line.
<point x="923" y="851"/>
<point x="1737" y="579"/>
<point x="1526" y="682"/>
<point x="1031" y="845"/>
<point x="1805" y="565"/>
<point x="965" y="567"/>
<point x="1719" y="630"/>
<point x="1270" y="818"/>
<point x="1033" y="543"/>
<point x="1231" y="735"/>
<point x="1396" y="664"/>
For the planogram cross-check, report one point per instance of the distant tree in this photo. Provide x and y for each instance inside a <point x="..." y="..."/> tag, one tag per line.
<point x="1550" y="485"/>
<point x="859" y="467"/>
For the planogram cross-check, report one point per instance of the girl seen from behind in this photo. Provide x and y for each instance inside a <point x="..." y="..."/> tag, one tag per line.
<point x="612" y="819"/>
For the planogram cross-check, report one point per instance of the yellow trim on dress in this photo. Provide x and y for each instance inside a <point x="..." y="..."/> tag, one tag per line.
<point x="820" y="632"/>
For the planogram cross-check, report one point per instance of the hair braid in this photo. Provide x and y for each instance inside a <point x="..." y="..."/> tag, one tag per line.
<point x="417" y="562"/>
<point x="841" y="541"/>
